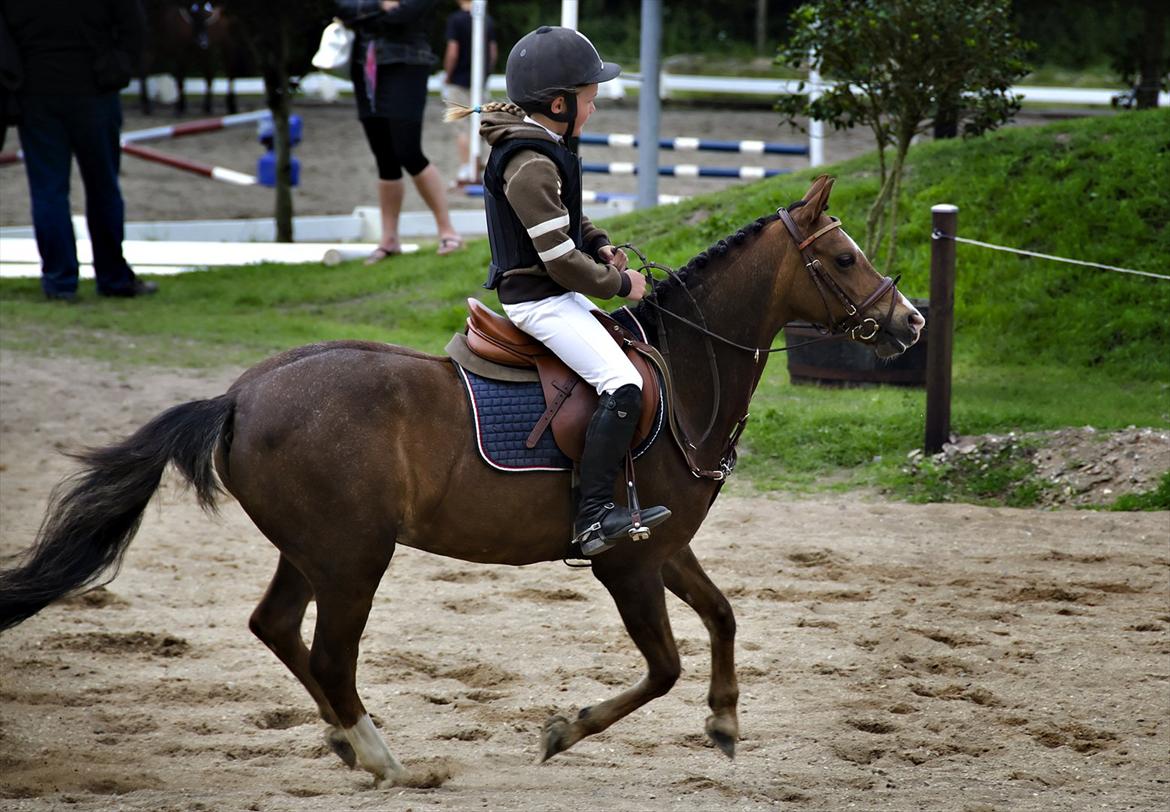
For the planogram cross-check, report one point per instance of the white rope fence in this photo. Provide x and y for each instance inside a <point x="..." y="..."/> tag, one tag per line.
<point x="939" y="235"/>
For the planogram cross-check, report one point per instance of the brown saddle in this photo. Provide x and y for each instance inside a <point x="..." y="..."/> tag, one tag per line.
<point x="570" y="401"/>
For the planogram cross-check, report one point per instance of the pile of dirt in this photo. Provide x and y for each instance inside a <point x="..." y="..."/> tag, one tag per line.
<point x="1070" y="467"/>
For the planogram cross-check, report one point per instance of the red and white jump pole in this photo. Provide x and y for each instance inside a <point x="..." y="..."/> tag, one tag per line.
<point x="195" y="167"/>
<point x="203" y="125"/>
<point x="130" y="147"/>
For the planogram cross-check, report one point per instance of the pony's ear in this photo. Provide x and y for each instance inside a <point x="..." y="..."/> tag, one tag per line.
<point x="816" y="199"/>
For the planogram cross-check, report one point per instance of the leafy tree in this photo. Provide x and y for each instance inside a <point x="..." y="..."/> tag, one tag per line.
<point x="899" y="66"/>
<point x="282" y="37"/>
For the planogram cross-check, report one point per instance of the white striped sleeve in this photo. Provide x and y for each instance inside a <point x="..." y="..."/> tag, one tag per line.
<point x="556" y="251"/>
<point x="549" y="225"/>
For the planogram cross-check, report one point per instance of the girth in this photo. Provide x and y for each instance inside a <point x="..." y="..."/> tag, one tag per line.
<point x="570" y="402"/>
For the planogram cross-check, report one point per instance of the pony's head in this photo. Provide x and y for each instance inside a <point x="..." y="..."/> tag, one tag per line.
<point x="838" y="286"/>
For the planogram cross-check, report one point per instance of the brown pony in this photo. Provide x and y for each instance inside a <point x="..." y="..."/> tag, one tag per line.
<point x="341" y="451"/>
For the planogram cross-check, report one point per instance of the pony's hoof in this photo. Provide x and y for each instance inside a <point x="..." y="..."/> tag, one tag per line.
<point x="339" y="744"/>
<point x="554" y="738"/>
<point x="387" y="782"/>
<point x="724" y="733"/>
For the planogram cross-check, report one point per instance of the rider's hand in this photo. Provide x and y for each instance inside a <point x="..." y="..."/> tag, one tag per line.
<point x="637" y="286"/>
<point x="612" y="255"/>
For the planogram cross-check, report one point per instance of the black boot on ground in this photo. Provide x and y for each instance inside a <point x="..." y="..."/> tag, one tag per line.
<point x="601" y="523"/>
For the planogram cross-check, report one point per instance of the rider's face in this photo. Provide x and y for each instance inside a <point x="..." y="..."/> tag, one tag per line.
<point x="586" y="96"/>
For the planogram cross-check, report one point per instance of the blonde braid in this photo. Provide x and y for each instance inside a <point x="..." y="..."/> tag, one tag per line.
<point x="456" y="111"/>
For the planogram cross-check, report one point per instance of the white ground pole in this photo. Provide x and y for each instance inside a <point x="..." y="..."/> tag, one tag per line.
<point x="478" y="15"/>
<point x="816" y="127"/>
<point x="569" y="14"/>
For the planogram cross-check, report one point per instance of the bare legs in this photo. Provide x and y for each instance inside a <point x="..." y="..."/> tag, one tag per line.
<point x="430" y="187"/>
<point x="390" y="195"/>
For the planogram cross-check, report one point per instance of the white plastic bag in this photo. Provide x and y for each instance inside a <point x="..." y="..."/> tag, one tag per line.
<point x="333" y="53"/>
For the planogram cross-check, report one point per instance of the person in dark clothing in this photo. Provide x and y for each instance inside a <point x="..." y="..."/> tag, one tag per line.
<point x="457" y="76"/>
<point x="75" y="58"/>
<point x="11" y="78"/>
<point x="390" y="66"/>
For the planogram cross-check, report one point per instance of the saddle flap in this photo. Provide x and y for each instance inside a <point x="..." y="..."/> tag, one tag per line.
<point x="571" y="420"/>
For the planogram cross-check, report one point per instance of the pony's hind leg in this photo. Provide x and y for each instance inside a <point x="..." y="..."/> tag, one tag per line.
<point x="641" y="601"/>
<point x="277" y="621"/>
<point x="343" y="606"/>
<point x="685" y="578"/>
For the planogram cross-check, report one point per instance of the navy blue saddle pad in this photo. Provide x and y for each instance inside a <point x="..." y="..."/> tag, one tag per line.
<point x="504" y="413"/>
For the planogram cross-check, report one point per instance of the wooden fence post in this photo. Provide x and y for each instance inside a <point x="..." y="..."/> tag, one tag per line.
<point x="945" y="220"/>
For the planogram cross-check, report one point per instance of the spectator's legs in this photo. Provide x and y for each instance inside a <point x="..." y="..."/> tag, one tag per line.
<point x="467" y="172"/>
<point x="430" y="187"/>
<point x="95" y="128"/>
<point x="391" y="189"/>
<point x="407" y="139"/>
<point x="47" y="160"/>
<point x="390" y="195"/>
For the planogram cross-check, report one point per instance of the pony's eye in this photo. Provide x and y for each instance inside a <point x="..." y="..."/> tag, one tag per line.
<point x="845" y="260"/>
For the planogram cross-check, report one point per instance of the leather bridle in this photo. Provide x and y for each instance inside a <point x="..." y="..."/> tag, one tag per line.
<point x="855" y="323"/>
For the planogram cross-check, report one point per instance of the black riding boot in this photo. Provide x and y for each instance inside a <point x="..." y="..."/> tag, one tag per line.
<point x="600" y="522"/>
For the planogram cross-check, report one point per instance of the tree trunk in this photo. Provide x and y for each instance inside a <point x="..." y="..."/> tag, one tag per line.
<point x="761" y="26"/>
<point x="875" y="221"/>
<point x="276" y="91"/>
<point x="896" y="175"/>
<point x="1152" y="56"/>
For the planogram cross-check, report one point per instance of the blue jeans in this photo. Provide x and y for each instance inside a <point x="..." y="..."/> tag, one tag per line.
<point x="54" y="129"/>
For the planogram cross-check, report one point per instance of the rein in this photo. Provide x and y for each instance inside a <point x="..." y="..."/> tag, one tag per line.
<point x="853" y="326"/>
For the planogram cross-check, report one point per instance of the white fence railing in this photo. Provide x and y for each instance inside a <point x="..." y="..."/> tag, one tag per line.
<point x="319" y="85"/>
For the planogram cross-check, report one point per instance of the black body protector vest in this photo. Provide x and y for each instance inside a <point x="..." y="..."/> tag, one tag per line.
<point x="511" y="246"/>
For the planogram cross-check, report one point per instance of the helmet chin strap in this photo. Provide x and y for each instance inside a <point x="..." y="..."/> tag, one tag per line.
<point x="569" y="116"/>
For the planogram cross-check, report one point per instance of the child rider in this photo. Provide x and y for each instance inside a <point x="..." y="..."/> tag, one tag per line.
<point x="547" y="256"/>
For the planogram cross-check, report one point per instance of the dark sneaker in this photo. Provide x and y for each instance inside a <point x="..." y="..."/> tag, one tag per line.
<point x="62" y="296"/>
<point x="141" y="287"/>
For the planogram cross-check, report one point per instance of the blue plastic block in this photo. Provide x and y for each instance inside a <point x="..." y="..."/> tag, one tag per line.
<point x="296" y="131"/>
<point x="266" y="170"/>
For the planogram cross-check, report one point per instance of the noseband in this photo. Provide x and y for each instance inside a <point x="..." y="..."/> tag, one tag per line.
<point x="855" y="324"/>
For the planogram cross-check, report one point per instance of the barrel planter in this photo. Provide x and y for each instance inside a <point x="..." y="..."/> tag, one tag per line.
<point x="850" y="363"/>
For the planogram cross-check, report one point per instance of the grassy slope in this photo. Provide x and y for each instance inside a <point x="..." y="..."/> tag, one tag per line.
<point x="1038" y="345"/>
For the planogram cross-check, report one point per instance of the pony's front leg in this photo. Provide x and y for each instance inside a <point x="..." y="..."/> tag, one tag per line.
<point x="641" y="601"/>
<point x="685" y="578"/>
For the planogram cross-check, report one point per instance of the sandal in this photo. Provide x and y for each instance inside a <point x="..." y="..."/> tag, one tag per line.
<point x="449" y="245"/>
<point x="379" y="254"/>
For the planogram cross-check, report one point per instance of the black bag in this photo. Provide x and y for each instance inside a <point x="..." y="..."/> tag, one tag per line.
<point x="112" y="69"/>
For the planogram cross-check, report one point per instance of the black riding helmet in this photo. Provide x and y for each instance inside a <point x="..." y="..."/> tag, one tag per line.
<point x="551" y="62"/>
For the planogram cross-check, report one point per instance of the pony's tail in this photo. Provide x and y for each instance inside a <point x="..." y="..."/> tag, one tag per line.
<point x="94" y="514"/>
<point x="456" y="111"/>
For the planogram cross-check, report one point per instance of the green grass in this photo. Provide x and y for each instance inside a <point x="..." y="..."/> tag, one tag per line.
<point x="1157" y="499"/>
<point x="1038" y="345"/>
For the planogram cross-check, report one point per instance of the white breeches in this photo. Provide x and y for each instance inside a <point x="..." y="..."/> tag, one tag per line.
<point x="564" y="325"/>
